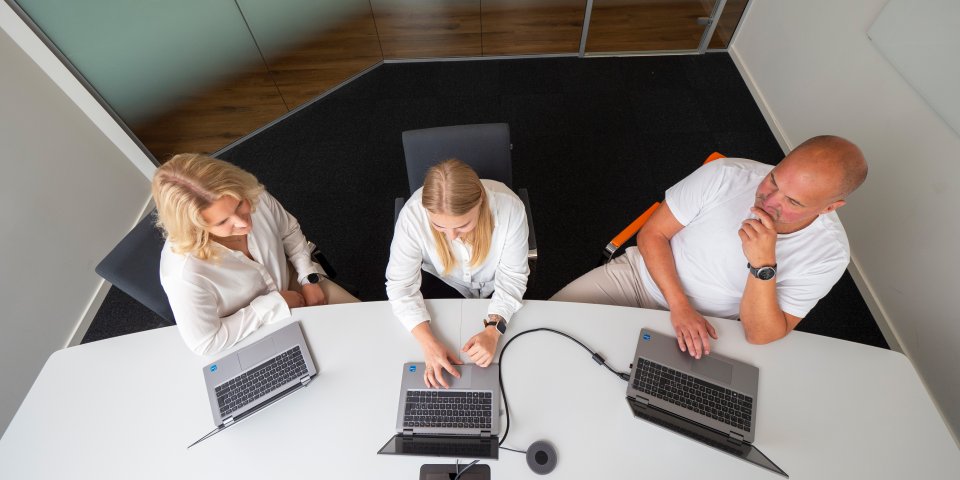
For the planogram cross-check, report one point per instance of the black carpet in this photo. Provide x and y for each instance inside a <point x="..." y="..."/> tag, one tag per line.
<point x="595" y="140"/>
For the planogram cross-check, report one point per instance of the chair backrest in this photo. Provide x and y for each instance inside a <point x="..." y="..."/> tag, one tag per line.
<point x="627" y="233"/>
<point x="133" y="266"/>
<point x="485" y="147"/>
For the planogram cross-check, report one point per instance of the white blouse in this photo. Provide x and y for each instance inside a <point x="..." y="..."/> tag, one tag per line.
<point x="218" y="302"/>
<point x="503" y="273"/>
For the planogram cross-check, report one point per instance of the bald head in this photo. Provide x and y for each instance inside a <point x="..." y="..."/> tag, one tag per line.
<point x="831" y="158"/>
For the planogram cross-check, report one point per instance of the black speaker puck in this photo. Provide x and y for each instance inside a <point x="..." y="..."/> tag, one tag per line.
<point x="541" y="457"/>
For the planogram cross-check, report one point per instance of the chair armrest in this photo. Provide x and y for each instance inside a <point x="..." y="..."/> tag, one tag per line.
<point x="324" y="263"/>
<point x="398" y="204"/>
<point x="532" y="236"/>
<point x="611" y="249"/>
<point x="627" y="233"/>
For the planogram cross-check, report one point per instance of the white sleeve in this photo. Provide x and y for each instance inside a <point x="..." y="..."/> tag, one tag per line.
<point x="199" y="323"/>
<point x="800" y="293"/>
<point x="403" y="272"/>
<point x="510" y="280"/>
<point x="295" y="244"/>
<point x="688" y="197"/>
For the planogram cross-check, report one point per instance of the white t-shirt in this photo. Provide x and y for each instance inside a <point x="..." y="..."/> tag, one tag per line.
<point x="712" y="203"/>
<point x="503" y="273"/>
<point x="218" y="302"/>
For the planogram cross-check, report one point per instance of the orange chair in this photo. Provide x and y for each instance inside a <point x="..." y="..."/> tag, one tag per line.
<point x="624" y="236"/>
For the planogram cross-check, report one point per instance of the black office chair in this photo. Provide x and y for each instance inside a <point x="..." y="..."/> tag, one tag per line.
<point x="485" y="147"/>
<point x="133" y="266"/>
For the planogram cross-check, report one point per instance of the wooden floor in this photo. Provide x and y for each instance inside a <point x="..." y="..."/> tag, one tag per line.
<point x="211" y="119"/>
<point x="208" y="120"/>
<point x="645" y="26"/>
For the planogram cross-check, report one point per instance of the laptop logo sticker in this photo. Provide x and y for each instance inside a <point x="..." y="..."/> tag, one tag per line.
<point x="412" y="368"/>
<point x="646" y="337"/>
<point x="213" y="368"/>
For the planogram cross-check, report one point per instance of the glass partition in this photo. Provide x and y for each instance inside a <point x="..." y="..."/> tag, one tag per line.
<point x="183" y="75"/>
<point x="525" y="27"/>
<point x="189" y="75"/>
<point x="727" y="24"/>
<point x="428" y="28"/>
<point x="310" y="46"/>
<point x="647" y="25"/>
<point x="195" y="76"/>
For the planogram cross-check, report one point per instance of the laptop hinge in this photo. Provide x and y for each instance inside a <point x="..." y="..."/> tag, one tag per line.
<point x="305" y="380"/>
<point x="407" y="432"/>
<point x="735" y="437"/>
<point x="642" y="400"/>
<point x="485" y="433"/>
<point x="228" y="421"/>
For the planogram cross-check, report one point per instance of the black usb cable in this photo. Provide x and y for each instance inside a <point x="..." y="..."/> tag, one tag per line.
<point x="594" y="355"/>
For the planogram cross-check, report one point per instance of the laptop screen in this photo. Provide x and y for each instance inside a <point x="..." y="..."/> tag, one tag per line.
<point x="704" y="435"/>
<point x="443" y="446"/>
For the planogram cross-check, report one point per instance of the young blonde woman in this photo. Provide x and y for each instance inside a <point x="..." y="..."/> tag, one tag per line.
<point x="458" y="237"/>
<point x="234" y="259"/>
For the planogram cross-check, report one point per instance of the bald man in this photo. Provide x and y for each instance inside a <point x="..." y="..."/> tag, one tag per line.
<point x="738" y="239"/>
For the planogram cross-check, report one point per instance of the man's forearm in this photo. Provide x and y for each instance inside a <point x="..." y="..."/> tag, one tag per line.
<point x="658" y="257"/>
<point x="763" y="320"/>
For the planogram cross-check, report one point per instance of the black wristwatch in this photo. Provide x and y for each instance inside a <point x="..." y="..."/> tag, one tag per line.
<point x="315" y="278"/>
<point x="763" y="273"/>
<point x="501" y="324"/>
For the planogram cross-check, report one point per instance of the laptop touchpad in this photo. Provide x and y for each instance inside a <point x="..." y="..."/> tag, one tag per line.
<point x="716" y="369"/>
<point x="465" y="375"/>
<point x="257" y="353"/>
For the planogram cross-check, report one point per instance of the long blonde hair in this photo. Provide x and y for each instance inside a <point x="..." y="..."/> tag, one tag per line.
<point x="186" y="185"/>
<point x="453" y="188"/>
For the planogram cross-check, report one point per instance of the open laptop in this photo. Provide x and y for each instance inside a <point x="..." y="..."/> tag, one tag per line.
<point x="462" y="421"/>
<point x="712" y="400"/>
<point x="256" y="376"/>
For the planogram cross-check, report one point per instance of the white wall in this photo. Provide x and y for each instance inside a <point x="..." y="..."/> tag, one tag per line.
<point x="71" y="185"/>
<point x="813" y="70"/>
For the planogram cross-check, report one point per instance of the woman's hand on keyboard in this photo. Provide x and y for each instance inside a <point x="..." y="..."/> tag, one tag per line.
<point x="436" y="356"/>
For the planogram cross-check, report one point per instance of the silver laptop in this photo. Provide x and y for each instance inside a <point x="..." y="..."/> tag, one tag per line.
<point x="256" y="376"/>
<point x="712" y="400"/>
<point x="461" y="421"/>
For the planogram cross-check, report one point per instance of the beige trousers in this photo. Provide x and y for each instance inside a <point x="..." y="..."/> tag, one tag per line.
<point x="335" y="293"/>
<point x="615" y="283"/>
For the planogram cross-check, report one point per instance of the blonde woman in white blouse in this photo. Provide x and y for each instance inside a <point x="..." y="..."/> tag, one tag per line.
<point x="226" y="264"/>
<point x="458" y="236"/>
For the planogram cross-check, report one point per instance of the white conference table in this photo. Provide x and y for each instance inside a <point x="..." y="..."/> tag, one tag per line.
<point x="128" y="407"/>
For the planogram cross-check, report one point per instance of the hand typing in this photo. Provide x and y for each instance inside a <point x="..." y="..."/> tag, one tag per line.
<point x="436" y="356"/>
<point x="692" y="331"/>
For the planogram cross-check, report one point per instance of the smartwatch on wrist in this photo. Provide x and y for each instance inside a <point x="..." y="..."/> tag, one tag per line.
<point x="315" y="277"/>
<point x="500" y="324"/>
<point x="763" y="273"/>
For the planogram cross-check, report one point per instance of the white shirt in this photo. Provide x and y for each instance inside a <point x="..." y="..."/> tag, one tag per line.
<point x="503" y="273"/>
<point x="712" y="203"/>
<point x="218" y="302"/>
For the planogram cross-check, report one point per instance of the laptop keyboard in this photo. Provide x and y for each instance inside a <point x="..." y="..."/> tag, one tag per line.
<point x="678" y="388"/>
<point x="266" y="377"/>
<point x="447" y="409"/>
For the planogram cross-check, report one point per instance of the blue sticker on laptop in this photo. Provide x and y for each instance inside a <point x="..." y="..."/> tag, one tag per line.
<point x="646" y="337"/>
<point x="213" y="368"/>
<point x="412" y="368"/>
